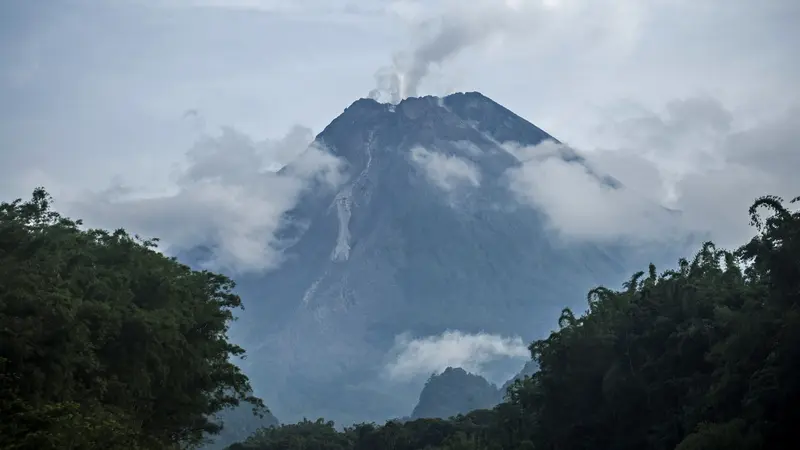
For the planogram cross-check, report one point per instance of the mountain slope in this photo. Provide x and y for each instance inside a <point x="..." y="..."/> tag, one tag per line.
<point x="404" y="246"/>
<point x="238" y="424"/>
<point x="453" y="392"/>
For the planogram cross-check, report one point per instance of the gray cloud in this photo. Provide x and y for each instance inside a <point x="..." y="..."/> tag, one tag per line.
<point x="413" y="357"/>
<point x="94" y="91"/>
<point x="227" y="195"/>
<point x="446" y="171"/>
<point x="689" y="168"/>
<point x="579" y="205"/>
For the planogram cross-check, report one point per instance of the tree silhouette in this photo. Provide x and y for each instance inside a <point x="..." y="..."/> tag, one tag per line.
<point x="107" y="343"/>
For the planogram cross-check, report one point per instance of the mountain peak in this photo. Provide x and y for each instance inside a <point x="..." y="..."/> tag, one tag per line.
<point x="455" y="391"/>
<point x="427" y="122"/>
<point x="472" y="95"/>
<point x="472" y="107"/>
<point x="423" y="236"/>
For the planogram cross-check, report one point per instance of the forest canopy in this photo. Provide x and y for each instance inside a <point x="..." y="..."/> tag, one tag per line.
<point x="106" y="343"/>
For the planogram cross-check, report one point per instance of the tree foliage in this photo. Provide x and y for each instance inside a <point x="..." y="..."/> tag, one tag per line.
<point x="702" y="357"/>
<point x="105" y="343"/>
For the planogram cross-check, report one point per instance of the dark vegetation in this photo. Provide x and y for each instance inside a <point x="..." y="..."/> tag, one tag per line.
<point x="108" y="344"/>
<point x="455" y="391"/>
<point x="239" y="423"/>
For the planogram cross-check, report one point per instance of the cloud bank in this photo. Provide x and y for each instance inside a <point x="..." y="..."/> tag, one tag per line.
<point x="413" y="357"/>
<point x="687" y="169"/>
<point x="580" y="203"/>
<point x="228" y="195"/>
<point x="446" y="171"/>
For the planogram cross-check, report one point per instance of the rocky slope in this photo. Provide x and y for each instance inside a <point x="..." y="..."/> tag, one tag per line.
<point x="423" y="236"/>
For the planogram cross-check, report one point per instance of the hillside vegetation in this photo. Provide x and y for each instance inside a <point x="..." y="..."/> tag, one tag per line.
<point x="107" y="344"/>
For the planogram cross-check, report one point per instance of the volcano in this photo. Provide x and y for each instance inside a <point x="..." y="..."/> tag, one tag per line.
<point x="425" y="235"/>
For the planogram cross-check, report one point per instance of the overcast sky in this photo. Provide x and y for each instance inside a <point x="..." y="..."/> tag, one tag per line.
<point x="693" y="104"/>
<point x="167" y="116"/>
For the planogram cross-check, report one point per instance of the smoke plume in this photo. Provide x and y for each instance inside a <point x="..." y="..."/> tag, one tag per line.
<point x="446" y="34"/>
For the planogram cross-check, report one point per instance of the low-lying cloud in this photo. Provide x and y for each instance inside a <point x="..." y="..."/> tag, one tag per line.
<point x="414" y="357"/>
<point x="446" y="171"/>
<point x="229" y="196"/>
<point x="689" y="169"/>
<point x="580" y="203"/>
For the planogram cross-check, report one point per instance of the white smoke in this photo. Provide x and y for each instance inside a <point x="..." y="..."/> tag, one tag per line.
<point x="442" y="30"/>
<point x="439" y="39"/>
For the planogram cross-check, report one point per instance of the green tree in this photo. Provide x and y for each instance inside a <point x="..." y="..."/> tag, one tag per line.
<point x="105" y="342"/>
